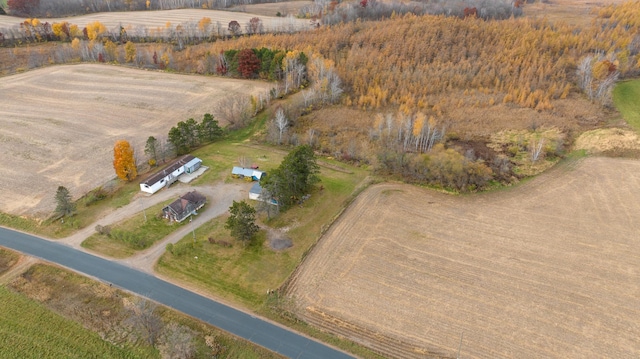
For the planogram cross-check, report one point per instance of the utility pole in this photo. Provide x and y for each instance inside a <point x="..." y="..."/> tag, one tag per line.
<point x="193" y="229"/>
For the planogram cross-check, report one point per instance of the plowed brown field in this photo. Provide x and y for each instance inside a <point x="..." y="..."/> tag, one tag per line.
<point x="159" y="19"/>
<point x="548" y="269"/>
<point x="58" y="124"/>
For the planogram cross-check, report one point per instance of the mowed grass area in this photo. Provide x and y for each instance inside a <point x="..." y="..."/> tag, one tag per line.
<point x="29" y="330"/>
<point x="626" y="97"/>
<point x="103" y="311"/>
<point x="245" y="274"/>
<point x="133" y="234"/>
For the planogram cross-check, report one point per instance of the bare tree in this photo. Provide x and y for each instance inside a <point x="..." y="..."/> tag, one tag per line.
<point x="281" y="122"/>
<point x="536" y="149"/>
<point x="177" y="342"/>
<point x="144" y="318"/>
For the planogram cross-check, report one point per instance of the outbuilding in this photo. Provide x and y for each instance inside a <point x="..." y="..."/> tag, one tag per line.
<point x="255" y="191"/>
<point x="169" y="174"/>
<point x="252" y="173"/>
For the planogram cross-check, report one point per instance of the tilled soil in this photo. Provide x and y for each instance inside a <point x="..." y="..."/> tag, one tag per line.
<point x="547" y="269"/>
<point x="58" y="124"/>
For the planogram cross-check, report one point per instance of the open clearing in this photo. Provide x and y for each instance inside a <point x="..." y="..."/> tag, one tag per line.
<point x="160" y="18"/>
<point x="59" y="124"/>
<point x="575" y="12"/>
<point x="548" y="269"/>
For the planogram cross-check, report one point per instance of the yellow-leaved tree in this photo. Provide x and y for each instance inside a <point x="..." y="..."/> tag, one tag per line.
<point x="123" y="161"/>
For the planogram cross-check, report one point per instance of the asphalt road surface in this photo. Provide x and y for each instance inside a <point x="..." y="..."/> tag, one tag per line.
<point x="256" y="330"/>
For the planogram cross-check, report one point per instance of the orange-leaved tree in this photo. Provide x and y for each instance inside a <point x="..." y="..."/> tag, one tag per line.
<point x="123" y="161"/>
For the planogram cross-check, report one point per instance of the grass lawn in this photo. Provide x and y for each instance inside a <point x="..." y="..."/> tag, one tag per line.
<point x="245" y="274"/>
<point x="29" y="330"/>
<point x="133" y="234"/>
<point x="7" y="259"/>
<point x="626" y="97"/>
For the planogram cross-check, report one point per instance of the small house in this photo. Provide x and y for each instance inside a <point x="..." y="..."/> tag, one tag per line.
<point x="184" y="206"/>
<point x="252" y="173"/>
<point x="169" y="174"/>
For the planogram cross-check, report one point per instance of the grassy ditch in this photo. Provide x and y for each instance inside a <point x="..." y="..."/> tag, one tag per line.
<point x="104" y="312"/>
<point x="625" y="98"/>
<point x="7" y="259"/>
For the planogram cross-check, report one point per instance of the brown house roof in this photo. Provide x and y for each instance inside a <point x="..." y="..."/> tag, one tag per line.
<point x="187" y="203"/>
<point x="150" y="181"/>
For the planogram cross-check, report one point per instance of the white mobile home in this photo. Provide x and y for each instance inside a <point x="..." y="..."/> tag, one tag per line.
<point x="168" y="175"/>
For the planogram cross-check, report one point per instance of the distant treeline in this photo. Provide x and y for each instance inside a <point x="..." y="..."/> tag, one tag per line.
<point x="61" y="8"/>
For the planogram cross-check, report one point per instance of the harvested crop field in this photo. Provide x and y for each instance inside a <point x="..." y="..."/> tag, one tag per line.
<point x="548" y="269"/>
<point x="59" y="124"/>
<point x="160" y="18"/>
<point x="575" y="12"/>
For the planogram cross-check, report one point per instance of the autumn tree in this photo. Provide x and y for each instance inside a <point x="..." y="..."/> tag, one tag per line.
<point x="255" y="26"/>
<point x="95" y="30"/>
<point x="130" y="51"/>
<point x="234" y="28"/>
<point x="124" y="161"/>
<point x="248" y="63"/>
<point x="23" y="7"/>
<point x="241" y="222"/>
<point x="64" y="204"/>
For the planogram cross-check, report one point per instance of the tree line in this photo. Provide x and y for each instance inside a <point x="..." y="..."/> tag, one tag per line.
<point x="61" y="8"/>
<point x="35" y="30"/>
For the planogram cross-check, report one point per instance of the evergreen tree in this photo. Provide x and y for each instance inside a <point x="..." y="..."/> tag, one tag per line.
<point x="65" y="205"/>
<point x="241" y="222"/>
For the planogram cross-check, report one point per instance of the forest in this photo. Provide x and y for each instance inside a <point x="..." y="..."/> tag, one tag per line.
<point x="417" y="78"/>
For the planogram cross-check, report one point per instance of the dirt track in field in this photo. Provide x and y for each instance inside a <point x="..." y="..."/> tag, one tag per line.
<point x="159" y="19"/>
<point x="548" y="269"/>
<point x="58" y="124"/>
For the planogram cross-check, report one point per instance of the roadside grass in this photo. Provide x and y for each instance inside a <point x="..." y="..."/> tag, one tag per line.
<point x="88" y="210"/>
<point x="103" y="311"/>
<point x="626" y="97"/>
<point x="7" y="259"/>
<point x="29" y="330"/>
<point x="133" y="234"/>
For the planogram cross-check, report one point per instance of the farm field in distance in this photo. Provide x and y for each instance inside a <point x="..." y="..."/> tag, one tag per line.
<point x="60" y="124"/>
<point x="546" y="269"/>
<point x="160" y="18"/>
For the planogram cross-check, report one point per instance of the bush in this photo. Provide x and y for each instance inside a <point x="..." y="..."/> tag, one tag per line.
<point x="104" y="230"/>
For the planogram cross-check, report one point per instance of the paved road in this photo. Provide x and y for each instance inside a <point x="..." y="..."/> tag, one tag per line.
<point x="261" y="332"/>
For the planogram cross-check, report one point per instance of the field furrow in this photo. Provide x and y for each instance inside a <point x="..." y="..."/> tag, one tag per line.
<point x="547" y="269"/>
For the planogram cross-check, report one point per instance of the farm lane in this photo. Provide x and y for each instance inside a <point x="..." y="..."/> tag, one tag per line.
<point x="245" y="325"/>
